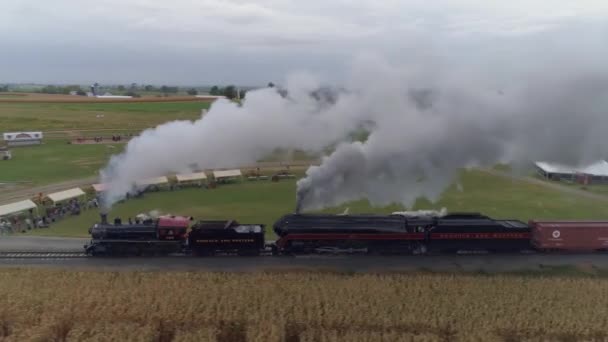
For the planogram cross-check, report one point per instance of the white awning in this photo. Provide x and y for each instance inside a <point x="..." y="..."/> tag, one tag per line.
<point x="191" y="177"/>
<point x="152" y="181"/>
<point x="227" y="174"/>
<point x="65" y="195"/>
<point x="554" y="168"/>
<point x="599" y="168"/>
<point x="16" y="207"/>
<point x="100" y="187"/>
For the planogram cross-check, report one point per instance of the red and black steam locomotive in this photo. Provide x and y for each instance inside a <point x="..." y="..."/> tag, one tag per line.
<point x="174" y="234"/>
<point x="398" y="233"/>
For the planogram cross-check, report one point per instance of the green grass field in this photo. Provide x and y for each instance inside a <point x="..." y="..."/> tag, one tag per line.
<point x="265" y="201"/>
<point x="69" y="116"/>
<point x="55" y="161"/>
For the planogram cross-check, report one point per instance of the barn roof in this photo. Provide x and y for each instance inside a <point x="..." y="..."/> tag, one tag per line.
<point x="599" y="168"/>
<point x="191" y="176"/>
<point x="227" y="173"/>
<point x="554" y="168"/>
<point x="16" y="207"/>
<point x="65" y="195"/>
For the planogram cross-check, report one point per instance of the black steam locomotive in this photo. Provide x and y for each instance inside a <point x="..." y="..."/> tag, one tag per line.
<point x="173" y="234"/>
<point x="397" y="233"/>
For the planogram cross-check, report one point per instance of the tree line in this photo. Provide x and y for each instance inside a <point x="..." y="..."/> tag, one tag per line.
<point x="134" y="89"/>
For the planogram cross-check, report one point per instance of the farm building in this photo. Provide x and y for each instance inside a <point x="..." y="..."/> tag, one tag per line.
<point x="22" y="138"/>
<point x="596" y="173"/>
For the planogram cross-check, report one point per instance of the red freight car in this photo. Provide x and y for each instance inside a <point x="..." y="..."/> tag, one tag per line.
<point x="570" y="235"/>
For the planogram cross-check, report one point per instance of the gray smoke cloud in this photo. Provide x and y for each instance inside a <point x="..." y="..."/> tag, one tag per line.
<point x="416" y="150"/>
<point x="425" y="122"/>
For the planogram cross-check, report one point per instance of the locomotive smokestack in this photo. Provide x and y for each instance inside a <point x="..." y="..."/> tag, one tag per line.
<point x="298" y="202"/>
<point x="104" y="218"/>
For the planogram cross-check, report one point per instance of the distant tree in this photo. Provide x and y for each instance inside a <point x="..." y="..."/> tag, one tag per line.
<point x="192" y="91"/>
<point x="270" y="85"/>
<point x="132" y="93"/>
<point x="3" y="88"/>
<point x="133" y="86"/>
<point x="121" y="88"/>
<point x="149" y="88"/>
<point x="215" y="90"/>
<point x="230" y="92"/>
<point x="243" y="93"/>
<point x="81" y="93"/>
<point x="166" y="90"/>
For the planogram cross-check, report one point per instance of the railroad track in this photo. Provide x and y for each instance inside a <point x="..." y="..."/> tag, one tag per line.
<point x="42" y="255"/>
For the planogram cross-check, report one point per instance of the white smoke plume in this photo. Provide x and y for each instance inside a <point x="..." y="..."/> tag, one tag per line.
<point x="425" y="122"/>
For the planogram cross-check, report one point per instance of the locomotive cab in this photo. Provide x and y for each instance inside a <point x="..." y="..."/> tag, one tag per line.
<point x="172" y="227"/>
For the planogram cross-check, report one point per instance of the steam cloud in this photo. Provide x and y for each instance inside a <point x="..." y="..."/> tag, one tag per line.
<point x="424" y="124"/>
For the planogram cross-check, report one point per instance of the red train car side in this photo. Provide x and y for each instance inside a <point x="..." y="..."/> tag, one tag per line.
<point x="570" y="236"/>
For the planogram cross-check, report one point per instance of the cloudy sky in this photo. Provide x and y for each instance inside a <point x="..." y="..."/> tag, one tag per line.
<point x="252" y="42"/>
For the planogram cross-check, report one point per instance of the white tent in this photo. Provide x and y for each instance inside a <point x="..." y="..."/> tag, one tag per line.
<point x="189" y="177"/>
<point x="152" y="181"/>
<point x="17" y="207"/>
<point x="227" y="174"/>
<point x="599" y="168"/>
<point x="65" y="195"/>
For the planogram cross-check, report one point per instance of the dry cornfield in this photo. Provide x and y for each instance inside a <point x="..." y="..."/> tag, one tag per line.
<point x="56" y="305"/>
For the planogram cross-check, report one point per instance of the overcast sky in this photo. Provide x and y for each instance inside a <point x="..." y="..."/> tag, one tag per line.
<point x="252" y="42"/>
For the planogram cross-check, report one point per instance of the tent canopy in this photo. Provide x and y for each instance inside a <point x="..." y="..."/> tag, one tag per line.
<point x="100" y="187"/>
<point x="227" y="174"/>
<point x="191" y="177"/>
<point x="152" y="181"/>
<point x="16" y="207"/>
<point x="65" y="195"/>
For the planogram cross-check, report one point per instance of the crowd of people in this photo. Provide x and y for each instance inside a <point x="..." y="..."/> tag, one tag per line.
<point x="100" y="139"/>
<point x="22" y="223"/>
<point x="30" y="220"/>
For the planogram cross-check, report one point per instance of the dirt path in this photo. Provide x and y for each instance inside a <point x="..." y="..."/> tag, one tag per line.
<point x="20" y="193"/>
<point x="548" y="184"/>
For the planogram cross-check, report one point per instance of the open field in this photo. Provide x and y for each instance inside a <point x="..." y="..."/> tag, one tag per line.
<point x="78" y="116"/>
<point x="55" y="161"/>
<point x="265" y="201"/>
<point x="61" y="98"/>
<point x="44" y="305"/>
